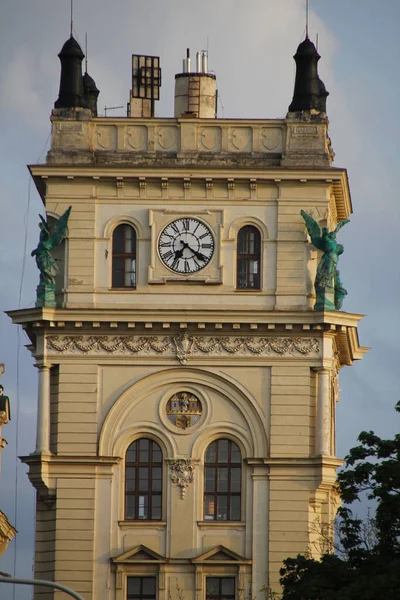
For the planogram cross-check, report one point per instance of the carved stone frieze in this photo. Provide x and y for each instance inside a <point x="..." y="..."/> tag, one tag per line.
<point x="182" y="472"/>
<point x="184" y="346"/>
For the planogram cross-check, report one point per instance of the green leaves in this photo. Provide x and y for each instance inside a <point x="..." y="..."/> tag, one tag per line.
<point x="370" y="567"/>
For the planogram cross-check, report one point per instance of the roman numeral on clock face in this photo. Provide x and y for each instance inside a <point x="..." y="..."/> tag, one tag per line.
<point x="168" y="255"/>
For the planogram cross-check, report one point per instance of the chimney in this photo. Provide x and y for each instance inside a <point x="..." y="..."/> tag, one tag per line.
<point x="196" y="92"/>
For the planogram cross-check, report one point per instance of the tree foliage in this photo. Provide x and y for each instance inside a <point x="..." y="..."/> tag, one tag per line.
<point x="369" y="565"/>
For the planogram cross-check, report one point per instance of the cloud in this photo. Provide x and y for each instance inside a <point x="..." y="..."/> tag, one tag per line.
<point x="251" y="47"/>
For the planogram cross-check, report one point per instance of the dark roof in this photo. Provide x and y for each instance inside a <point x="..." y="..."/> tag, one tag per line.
<point x="89" y="83"/>
<point x="71" y="48"/>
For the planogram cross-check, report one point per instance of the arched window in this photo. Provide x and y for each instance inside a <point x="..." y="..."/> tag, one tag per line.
<point x="222" y="481"/>
<point x="248" y="258"/>
<point x="143" y="481"/>
<point x="124" y="257"/>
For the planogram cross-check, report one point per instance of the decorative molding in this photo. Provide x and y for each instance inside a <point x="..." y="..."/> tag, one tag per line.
<point x="184" y="346"/>
<point x="182" y="472"/>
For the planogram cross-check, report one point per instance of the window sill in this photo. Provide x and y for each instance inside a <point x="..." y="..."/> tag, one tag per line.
<point x="248" y="290"/>
<point x="140" y="524"/>
<point x="221" y="524"/>
<point x="122" y="289"/>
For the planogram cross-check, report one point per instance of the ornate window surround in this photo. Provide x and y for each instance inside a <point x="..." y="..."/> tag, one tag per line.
<point x="221" y="562"/>
<point x="139" y="562"/>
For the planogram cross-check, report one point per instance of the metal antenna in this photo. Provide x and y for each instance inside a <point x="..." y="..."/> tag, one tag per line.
<point x="72" y="17"/>
<point x="317" y="42"/>
<point x="307" y="11"/>
<point x="86" y="52"/>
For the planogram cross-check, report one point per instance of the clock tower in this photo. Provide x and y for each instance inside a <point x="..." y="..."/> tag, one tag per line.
<point x="187" y="385"/>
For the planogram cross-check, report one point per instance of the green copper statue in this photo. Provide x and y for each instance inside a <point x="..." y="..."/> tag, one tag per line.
<point x="328" y="286"/>
<point x="48" y="240"/>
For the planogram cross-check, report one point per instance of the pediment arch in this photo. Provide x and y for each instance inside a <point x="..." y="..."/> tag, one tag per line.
<point x="113" y="440"/>
<point x="240" y="222"/>
<point x="109" y="227"/>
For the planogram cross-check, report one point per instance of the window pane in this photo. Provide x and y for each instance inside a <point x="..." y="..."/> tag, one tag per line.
<point x="211" y="454"/>
<point x="149" y="585"/>
<point x="212" y="586"/>
<point x="235" y="480"/>
<point x="128" y="239"/>
<point x="157" y="456"/>
<point x="134" y="585"/>
<point x="118" y="239"/>
<point x="130" y="479"/>
<point x="143" y="479"/>
<point x="210" y="479"/>
<point x="222" y="508"/>
<point x="228" y="586"/>
<point x="143" y="507"/>
<point x="209" y="507"/>
<point x="156" y="479"/>
<point x="144" y="451"/>
<point x="236" y="455"/>
<point x="235" y="508"/>
<point x="130" y="507"/>
<point x="222" y="480"/>
<point x="223" y="451"/>
<point x="254" y="267"/>
<point x="131" y="454"/>
<point x="118" y="272"/>
<point x="156" y="507"/>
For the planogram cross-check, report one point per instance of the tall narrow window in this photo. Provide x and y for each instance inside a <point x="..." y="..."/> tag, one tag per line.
<point x="124" y="257"/>
<point x="143" y="481"/>
<point x="141" y="588"/>
<point x="222" y="481"/>
<point x="248" y="258"/>
<point x="220" y="588"/>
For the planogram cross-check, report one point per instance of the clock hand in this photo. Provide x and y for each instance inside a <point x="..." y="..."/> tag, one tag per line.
<point x="179" y="253"/>
<point x="197" y="254"/>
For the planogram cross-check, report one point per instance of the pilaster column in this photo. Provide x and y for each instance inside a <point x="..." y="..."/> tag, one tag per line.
<point x="43" y="414"/>
<point x="323" y="433"/>
<point x="260" y="533"/>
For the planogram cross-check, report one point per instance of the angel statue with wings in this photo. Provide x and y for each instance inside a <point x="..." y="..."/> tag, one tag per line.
<point x="49" y="239"/>
<point x="328" y="286"/>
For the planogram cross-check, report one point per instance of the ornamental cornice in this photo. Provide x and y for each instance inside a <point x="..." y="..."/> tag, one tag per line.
<point x="184" y="346"/>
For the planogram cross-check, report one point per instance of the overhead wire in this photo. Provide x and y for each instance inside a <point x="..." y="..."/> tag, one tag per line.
<point x="17" y="402"/>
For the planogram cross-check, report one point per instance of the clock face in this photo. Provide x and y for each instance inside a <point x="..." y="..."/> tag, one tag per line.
<point x="186" y="245"/>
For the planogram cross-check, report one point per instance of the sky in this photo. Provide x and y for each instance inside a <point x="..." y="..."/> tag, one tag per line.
<point x="251" y="45"/>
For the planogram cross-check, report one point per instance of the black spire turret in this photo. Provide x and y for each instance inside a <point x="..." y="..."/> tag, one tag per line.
<point x="309" y="90"/>
<point x="71" y="92"/>
<point x="91" y="93"/>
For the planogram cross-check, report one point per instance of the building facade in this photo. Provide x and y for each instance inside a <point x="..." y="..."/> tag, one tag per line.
<point x="7" y="531"/>
<point x="187" y="388"/>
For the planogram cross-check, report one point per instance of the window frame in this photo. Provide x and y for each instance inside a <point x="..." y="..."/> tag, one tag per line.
<point x="149" y="492"/>
<point x="215" y="495"/>
<point x="141" y="596"/>
<point x="125" y="256"/>
<point x="249" y="257"/>
<point x="220" y="595"/>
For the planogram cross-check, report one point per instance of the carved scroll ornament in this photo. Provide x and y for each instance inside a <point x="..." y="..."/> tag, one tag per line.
<point x="182" y="473"/>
